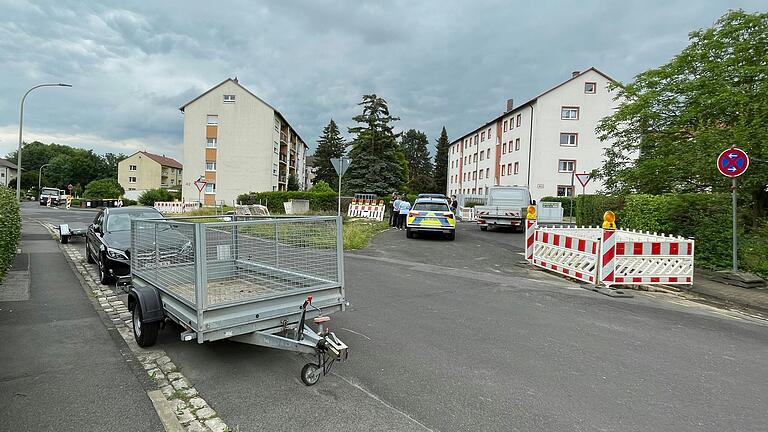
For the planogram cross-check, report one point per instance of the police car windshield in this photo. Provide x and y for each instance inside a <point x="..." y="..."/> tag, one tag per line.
<point x="429" y="206"/>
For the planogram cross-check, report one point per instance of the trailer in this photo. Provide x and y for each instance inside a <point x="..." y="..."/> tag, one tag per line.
<point x="256" y="280"/>
<point x="66" y="233"/>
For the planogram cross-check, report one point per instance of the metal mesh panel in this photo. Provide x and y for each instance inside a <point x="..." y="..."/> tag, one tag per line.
<point x="163" y="253"/>
<point x="265" y="258"/>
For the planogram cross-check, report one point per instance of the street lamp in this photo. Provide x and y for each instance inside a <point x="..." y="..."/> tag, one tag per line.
<point x="21" y="125"/>
<point x="39" y="176"/>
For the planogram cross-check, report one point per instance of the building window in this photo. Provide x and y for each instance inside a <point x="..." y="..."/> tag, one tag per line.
<point x="131" y="179"/>
<point x="504" y="149"/>
<point x="210" y="143"/>
<point x="482" y="136"/>
<point x="210" y="188"/>
<point x="482" y="155"/>
<point x="590" y="87"/>
<point x="213" y="120"/>
<point x="229" y="98"/>
<point x="505" y="125"/>
<point x="132" y="168"/>
<point x="481" y="174"/>
<point x="509" y="169"/>
<point x="519" y="117"/>
<point x="475" y="159"/>
<point x="566" y="166"/>
<point x="173" y="181"/>
<point x="480" y="191"/>
<point x="517" y="167"/>
<point x="569" y="113"/>
<point x="565" y="191"/>
<point x="474" y="175"/>
<point x="503" y="170"/>
<point x="517" y="144"/>
<point x="210" y="165"/>
<point x="489" y="133"/>
<point x="568" y="139"/>
<point x="487" y="173"/>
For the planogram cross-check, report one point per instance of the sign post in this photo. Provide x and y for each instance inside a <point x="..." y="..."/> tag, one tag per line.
<point x="733" y="163"/>
<point x="583" y="179"/>
<point x="200" y="185"/>
<point x="340" y="165"/>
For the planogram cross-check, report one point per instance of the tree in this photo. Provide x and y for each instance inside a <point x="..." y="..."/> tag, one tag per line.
<point x="293" y="183"/>
<point x="150" y="196"/>
<point x="677" y="118"/>
<point x="378" y="164"/>
<point x="329" y="145"/>
<point x="420" y="171"/>
<point x="104" y="188"/>
<point x="441" y="163"/>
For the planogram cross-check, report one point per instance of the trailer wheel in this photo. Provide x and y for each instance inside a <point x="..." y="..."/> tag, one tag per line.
<point x="144" y="333"/>
<point x="310" y="374"/>
<point x="64" y="239"/>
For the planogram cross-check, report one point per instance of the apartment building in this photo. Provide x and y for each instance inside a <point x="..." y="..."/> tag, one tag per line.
<point x="539" y="144"/>
<point x="8" y="172"/>
<point x="238" y="143"/>
<point x="143" y="170"/>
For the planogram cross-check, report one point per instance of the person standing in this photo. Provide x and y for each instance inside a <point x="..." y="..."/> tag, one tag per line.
<point x="455" y="207"/>
<point x="404" y="206"/>
<point x="395" y="211"/>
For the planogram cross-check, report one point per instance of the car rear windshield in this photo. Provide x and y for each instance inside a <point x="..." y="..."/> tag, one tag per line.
<point x="122" y="221"/>
<point x="431" y="207"/>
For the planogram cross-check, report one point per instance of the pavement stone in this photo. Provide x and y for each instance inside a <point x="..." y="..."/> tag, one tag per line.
<point x="162" y="360"/>
<point x="168" y="367"/>
<point x="180" y="384"/>
<point x="216" y="425"/>
<point x="167" y="390"/>
<point x="185" y="416"/>
<point x="190" y="392"/>
<point x="197" y="403"/>
<point x="196" y="426"/>
<point x="173" y="376"/>
<point x="204" y="413"/>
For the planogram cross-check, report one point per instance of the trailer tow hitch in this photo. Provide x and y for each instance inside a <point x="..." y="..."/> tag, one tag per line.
<point x="328" y="346"/>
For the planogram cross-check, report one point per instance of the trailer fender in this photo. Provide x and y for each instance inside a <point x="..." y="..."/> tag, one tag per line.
<point x="148" y="299"/>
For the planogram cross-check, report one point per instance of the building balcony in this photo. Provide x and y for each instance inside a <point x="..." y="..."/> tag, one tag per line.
<point x="283" y="137"/>
<point x="281" y="179"/>
<point x="283" y="158"/>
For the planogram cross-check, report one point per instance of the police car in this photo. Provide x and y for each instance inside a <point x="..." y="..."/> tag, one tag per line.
<point x="431" y="214"/>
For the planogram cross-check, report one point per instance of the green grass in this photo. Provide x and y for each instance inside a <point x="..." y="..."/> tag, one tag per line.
<point x="358" y="232"/>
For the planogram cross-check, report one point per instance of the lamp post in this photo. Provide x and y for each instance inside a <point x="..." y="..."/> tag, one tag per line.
<point x="21" y="126"/>
<point x="39" y="176"/>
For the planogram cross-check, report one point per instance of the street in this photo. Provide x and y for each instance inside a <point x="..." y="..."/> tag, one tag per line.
<point x="464" y="335"/>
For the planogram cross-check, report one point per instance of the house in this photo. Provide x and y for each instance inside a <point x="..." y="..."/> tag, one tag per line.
<point x="540" y="144"/>
<point x="142" y="171"/>
<point x="238" y="143"/>
<point x="309" y="172"/>
<point x="8" y="172"/>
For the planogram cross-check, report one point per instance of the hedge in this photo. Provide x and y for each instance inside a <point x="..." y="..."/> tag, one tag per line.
<point x="10" y="229"/>
<point x="590" y="208"/>
<point x="318" y="201"/>
<point x="566" y="202"/>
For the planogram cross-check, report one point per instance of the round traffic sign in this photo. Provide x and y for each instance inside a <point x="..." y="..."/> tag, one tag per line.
<point x="733" y="162"/>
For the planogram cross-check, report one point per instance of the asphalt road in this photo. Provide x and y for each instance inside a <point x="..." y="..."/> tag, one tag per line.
<point x="464" y="336"/>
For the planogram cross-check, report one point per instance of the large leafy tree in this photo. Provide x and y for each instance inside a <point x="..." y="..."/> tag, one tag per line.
<point x="441" y="163"/>
<point x="674" y="120"/>
<point x="420" y="171"/>
<point x="330" y="145"/>
<point x="378" y="163"/>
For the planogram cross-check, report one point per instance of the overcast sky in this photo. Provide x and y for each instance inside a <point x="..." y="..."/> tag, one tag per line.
<point x="452" y="63"/>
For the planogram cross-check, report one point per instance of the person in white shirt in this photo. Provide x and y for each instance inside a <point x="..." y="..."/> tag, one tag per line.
<point x="404" y="206"/>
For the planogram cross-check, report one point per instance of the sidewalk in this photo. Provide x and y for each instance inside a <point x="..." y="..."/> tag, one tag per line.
<point x="61" y="367"/>
<point x="755" y="299"/>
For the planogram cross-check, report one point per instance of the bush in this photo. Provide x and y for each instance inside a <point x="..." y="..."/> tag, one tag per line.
<point x="590" y="208"/>
<point x="129" y="202"/>
<point x="323" y="201"/>
<point x="107" y="188"/>
<point x="568" y="204"/>
<point x="10" y="228"/>
<point x="76" y="202"/>
<point x="149" y="197"/>
<point x="321" y="187"/>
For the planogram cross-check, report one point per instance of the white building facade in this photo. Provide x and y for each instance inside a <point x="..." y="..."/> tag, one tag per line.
<point x="540" y="144"/>
<point x="238" y="143"/>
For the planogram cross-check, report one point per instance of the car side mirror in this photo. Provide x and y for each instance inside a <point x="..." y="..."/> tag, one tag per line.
<point x="97" y="228"/>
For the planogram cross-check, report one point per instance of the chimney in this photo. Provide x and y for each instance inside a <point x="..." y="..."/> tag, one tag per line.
<point x="510" y="105"/>
<point x="574" y="74"/>
<point x="235" y="80"/>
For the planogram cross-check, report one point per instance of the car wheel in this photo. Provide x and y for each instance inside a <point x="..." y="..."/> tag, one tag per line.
<point x="408" y="233"/>
<point x="104" y="276"/>
<point x="88" y="256"/>
<point x="451" y="236"/>
<point x="144" y="333"/>
<point x="483" y="228"/>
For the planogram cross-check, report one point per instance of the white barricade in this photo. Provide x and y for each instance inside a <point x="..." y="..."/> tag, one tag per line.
<point x="369" y="211"/>
<point x="467" y="214"/>
<point x="610" y="257"/>
<point x="175" y="206"/>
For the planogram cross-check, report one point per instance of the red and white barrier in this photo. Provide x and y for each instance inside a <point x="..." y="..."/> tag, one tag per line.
<point x="610" y="257"/>
<point x="175" y="206"/>
<point x="369" y="211"/>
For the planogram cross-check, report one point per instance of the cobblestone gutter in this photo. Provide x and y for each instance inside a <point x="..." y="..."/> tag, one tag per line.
<point x="192" y="411"/>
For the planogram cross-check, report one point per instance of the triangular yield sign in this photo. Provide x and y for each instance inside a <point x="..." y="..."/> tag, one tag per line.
<point x="583" y="178"/>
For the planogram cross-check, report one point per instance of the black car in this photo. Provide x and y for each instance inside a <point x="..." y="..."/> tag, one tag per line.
<point x="108" y="240"/>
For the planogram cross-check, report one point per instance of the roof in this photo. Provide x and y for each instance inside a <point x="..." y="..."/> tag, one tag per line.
<point x="8" y="164"/>
<point x="530" y="102"/>
<point x="237" y="83"/>
<point x="163" y="160"/>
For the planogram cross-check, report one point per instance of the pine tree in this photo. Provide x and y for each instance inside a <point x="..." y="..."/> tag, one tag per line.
<point x="441" y="163"/>
<point x="378" y="164"/>
<point x="330" y="145"/>
<point x="420" y="171"/>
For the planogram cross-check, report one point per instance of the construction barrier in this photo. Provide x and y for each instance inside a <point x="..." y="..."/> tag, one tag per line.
<point x="175" y="206"/>
<point x="366" y="209"/>
<point x="609" y="256"/>
<point x="467" y="214"/>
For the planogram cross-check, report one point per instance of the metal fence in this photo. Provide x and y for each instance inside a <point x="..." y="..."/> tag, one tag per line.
<point x="207" y="262"/>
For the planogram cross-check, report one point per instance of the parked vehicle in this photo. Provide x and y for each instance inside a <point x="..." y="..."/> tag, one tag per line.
<point x="108" y="240"/>
<point x="48" y="192"/>
<point x="431" y="215"/>
<point x="505" y="207"/>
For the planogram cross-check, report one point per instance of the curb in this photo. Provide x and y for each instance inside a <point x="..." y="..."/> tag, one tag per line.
<point x="725" y="303"/>
<point x="177" y="402"/>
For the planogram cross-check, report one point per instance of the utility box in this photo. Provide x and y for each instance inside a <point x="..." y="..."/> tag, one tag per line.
<point x="549" y="211"/>
<point x="293" y="207"/>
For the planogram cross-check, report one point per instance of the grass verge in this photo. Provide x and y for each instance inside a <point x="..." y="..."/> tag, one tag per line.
<point x="358" y="232"/>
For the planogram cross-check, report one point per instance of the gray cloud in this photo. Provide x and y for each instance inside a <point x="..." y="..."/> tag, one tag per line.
<point x="436" y="62"/>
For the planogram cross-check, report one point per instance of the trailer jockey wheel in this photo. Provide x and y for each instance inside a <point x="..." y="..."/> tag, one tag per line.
<point x="310" y="374"/>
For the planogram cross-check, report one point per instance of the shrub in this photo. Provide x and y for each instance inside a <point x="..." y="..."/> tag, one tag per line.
<point x="149" y="197"/>
<point x="76" y="202"/>
<point x="10" y="228"/>
<point x="323" y="201"/>
<point x="103" y="189"/>
<point x="590" y="208"/>
<point x="321" y="187"/>
<point x="129" y="202"/>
